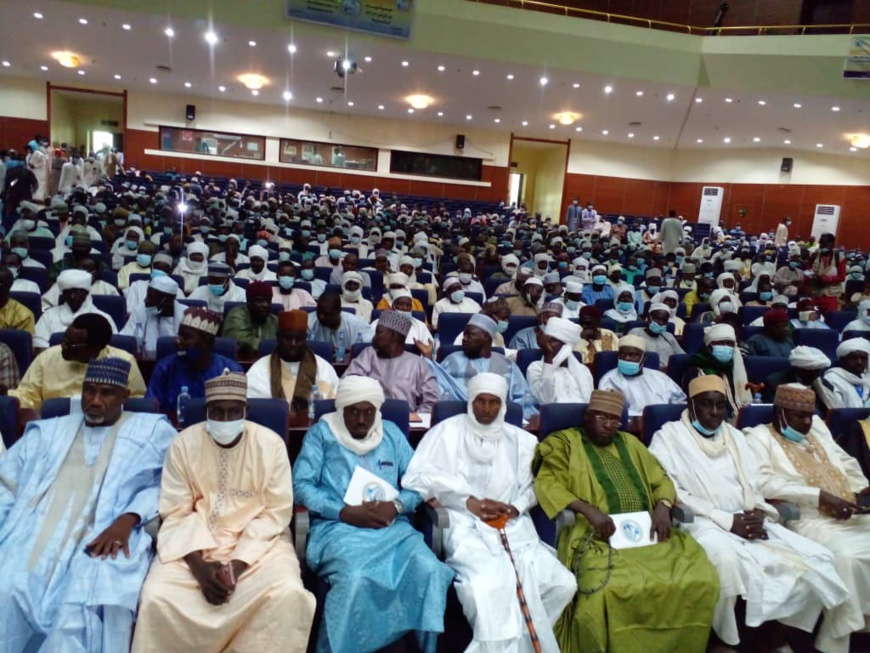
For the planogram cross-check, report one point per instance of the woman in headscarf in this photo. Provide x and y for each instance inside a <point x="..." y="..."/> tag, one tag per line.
<point x="193" y="266"/>
<point x="721" y="357"/>
<point x="624" y="310"/>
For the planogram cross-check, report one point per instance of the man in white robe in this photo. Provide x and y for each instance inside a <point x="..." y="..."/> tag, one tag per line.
<point x="848" y="385"/>
<point x="798" y="461"/>
<point x="479" y="468"/>
<point x="75" y="286"/>
<point x="292" y="370"/>
<point x="418" y="332"/>
<point x="226" y="577"/>
<point x="559" y="377"/>
<point x="641" y="386"/>
<point x="75" y="493"/>
<point x="158" y="316"/>
<point x="780" y="575"/>
<point x="220" y="289"/>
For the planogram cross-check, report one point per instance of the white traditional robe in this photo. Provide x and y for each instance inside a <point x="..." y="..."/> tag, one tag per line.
<point x="57" y="319"/>
<point x="778" y="478"/>
<point x="418" y="331"/>
<point x="51" y="297"/>
<point x="231" y="504"/>
<point x="646" y="389"/>
<point x="446" y="306"/>
<point x="152" y="327"/>
<point x="786" y="577"/>
<point x="260" y="375"/>
<point x="215" y="303"/>
<point x="840" y="390"/>
<point x="560" y="385"/>
<point x="445" y="468"/>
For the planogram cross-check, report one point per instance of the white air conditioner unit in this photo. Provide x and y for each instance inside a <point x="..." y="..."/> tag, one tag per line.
<point x="711" y="205"/>
<point x="825" y="220"/>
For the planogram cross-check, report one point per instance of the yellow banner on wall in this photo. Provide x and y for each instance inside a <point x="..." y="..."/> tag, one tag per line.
<point x="382" y="17"/>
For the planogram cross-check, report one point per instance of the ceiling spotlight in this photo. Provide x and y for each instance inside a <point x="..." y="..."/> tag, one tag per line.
<point x="756" y="140"/>
<point x="700" y="140"/>
<point x="350" y="103"/>
<point x="67" y="59"/>
<point x="83" y="21"/>
<point x="797" y="105"/>
<point x="567" y="117"/>
<point x="187" y="84"/>
<point x="860" y="140"/>
<point x="255" y="92"/>
<point x="608" y="90"/>
<point x="153" y="80"/>
<point x="762" y="103"/>
<point x="405" y="64"/>
<point x="410" y="110"/>
<point x="605" y="132"/>
<point x="419" y="101"/>
<point x="211" y="38"/>
<point x="330" y="54"/>
<point x="44" y="68"/>
<point x="292" y="48"/>
<point x="380" y="107"/>
<point x="835" y="108"/>
<point x="699" y="100"/>
<point x="440" y="114"/>
<point x="786" y="142"/>
<point x="726" y="139"/>
<point x="475" y="72"/>
<point x="525" y="123"/>
<point x="319" y="100"/>
<point x="469" y="117"/>
<point x="631" y="135"/>
<point x="670" y="97"/>
<point x="169" y="32"/>
<point x="222" y="89"/>
<point x="116" y="76"/>
<point x="37" y="15"/>
<point x="510" y="76"/>
<point x="853" y="149"/>
<point x="287" y="96"/>
<point x="544" y="81"/>
<point x="127" y="26"/>
<point x="253" y="44"/>
<point x="80" y="72"/>
<point x="441" y="69"/>
<point x="729" y="100"/>
<point x="367" y="59"/>
<point x="578" y="129"/>
<point x="576" y="85"/>
<point x="819" y="145"/>
<point x="497" y="120"/>
<point x="6" y="64"/>
<point x="253" y="81"/>
<point x="552" y="126"/>
<point x="655" y="138"/>
<point x="639" y="93"/>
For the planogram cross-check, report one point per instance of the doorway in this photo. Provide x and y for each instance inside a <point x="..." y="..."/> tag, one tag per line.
<point x="538" y="175"/>
<point x="87" y="121"/>
<point x="517" y="186"/>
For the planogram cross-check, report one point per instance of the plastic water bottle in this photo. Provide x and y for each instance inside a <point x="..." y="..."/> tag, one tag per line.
<point x="756" y="398"/>
<point x="528" y="404"/>
<point x="436" y="345"/>
<point x="140" y="338"/>
<point x="341" y="350"/>
<point x="314" y="396"/>
<point x="181" y="405"/>
<point x="359" y="339"/>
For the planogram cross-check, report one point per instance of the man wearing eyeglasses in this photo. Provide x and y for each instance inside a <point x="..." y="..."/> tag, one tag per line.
<point x="60" y="370"/>
<point x="663" y="594"/>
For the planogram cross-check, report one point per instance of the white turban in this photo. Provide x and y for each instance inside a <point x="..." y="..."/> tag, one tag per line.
<point x="401" y="292"/>
<point x="722" y="331"/>
<point x="399" y="279"/>
<point x="509" y="261"/>
<point x="852" y="345"/>
<point x="164" y="284"/>
<point x="353" y="390"/>
<point x="197" y="247"/>
<point x="482" y="440"/>
<point x="632" y="341"/>
<point x="255" y="251"/>
<point x="563" y="330"/>
<point x="573" y="287"/>
<point x="488" y="383"/>
<point x="719" y="332"/>
<point x="863" y="307"/>
<point x="533" y="281"/>
<point x="722" y="278"/>
<point x="808" y="358"/>
<point x="542" y="257"/>
<point x="659" y="306"/>
<point x="406" y="260"/>
<point x="69" y="279"/>
<point x="721" y="295"/>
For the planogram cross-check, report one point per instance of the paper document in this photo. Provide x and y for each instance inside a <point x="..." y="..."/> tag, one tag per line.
<point x="365" y="487"/>
<point x="632" y="530"/>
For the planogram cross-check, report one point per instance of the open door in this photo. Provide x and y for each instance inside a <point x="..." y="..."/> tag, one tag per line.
<point x="538" y="176"/>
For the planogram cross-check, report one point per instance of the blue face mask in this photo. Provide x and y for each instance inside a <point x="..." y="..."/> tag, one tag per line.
<point x="625" y="307"/>
<point x="321" y="238"/>
<point x="132" y="244"/>
<point x="457" y="296"/>
<point x="286" y="282"/>
<point x="793" y="264"/>
<point x="723" y="353"/>
<point x="68" y="241"/>
<point x="652" y="289"/>
<point x="563" y="265"/>
<point x="572" y="304"/>
<point x="263" y="243"/>
<point x="216" y="289"/>
<point x="791" y="433"/>
<point x="21" y="251"/>
<point x="283" y="256"/>
<point x="587" y="255"/>
<point x="308" y="274"/>
<point x="167" y="231"/>
<point x="599" y="279"/>
<point x="418" y="262"/>
<point x="857" y="275"/>
<point x="518" y="252"/>
<point x="356" y="240"/>
<point x="657" y="328"/>
<point x="628" y="368"/>
<point x="204" y="230"/>
<point x="335" y="254"/>
<point x="765" y="295"/>
<point x="306" y="233"/>
<point x="501" y="326"/>
<point x="158" y="273"/>
<point x="223" y="238"/>
<point x="143" y="260"/>
<point x="707" y="433"/>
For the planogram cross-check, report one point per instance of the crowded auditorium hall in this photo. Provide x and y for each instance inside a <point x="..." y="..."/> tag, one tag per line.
<point x="430" y="326"/>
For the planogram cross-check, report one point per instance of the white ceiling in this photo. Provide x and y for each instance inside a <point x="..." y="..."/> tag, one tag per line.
<point x="108" y="50"/>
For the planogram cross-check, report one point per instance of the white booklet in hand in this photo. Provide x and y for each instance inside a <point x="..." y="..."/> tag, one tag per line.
<point x="365" y="487"/>
<point x="632" y="530"/>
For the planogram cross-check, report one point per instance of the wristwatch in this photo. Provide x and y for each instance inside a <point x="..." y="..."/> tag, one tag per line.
<point x="400" y="507"/>
<point x="667" y="503"/>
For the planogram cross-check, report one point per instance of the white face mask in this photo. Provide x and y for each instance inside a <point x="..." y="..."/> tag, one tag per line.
<point x="806" y="316"/>
<point x="353" y="295"/>
<point x="465" y="278"/>
<point x="224" y="432"/>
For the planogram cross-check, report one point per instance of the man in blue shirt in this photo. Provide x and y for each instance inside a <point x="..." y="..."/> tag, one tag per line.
<point x="599" y="289"/>
<point x="193" y="363"/>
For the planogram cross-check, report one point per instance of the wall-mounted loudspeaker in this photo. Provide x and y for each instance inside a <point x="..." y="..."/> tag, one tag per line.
<point x="787" y="164"/>
<point x="460" y="141"/>
<point x="190" y="112"/>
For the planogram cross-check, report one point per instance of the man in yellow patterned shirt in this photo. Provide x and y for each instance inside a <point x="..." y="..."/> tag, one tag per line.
<point x="13" y="314"/>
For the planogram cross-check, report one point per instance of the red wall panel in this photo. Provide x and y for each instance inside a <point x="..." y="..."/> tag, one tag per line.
<point x="15" y="133"/>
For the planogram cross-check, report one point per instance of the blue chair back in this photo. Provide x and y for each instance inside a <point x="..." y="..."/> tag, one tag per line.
<point x="606" y="361"/>
<point x="21" y="344"/>
<point x="127" y="343"/>
<point x="193" y="303"/>
<point x="475" y="296"/>
<point x="9" y="420"/>
<point x="517" y="323"/>
<point x="693" y="338"/>
<point x="826" y="340"/>
<point x="446" y="409"/>
<point x="36" y="275"/>
<point x="113" y="306"/>
<point x="271" y="413"/>
<point x="60" y="406"/>
<point x="396" y="411"/>
<point x="754" y="415"/>
<point x="223" y="346"/>
<point x="848" y="335"/>
<point x="556" y="417"/>
<point x="758" y="368"/>
<point x="677" y="365"/>
<point x="656" y="415"/>
<point x="451" y="325"/>
<point x="840" y="418"/>
<point x="838" y="320"/>
<point x="31" y="301"/>
<point x="752" y="313"/>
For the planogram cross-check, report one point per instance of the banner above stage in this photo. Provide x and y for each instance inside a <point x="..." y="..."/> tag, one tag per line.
<point x="382" y="17"/>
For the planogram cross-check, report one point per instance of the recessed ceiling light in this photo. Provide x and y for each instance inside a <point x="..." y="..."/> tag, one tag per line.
<point x="797" y="105"/>
<point x="608" y="90"/>
<point x="350" y="103"/>
<point x="670" y="97"/>
<point x="127" y="26"/>
<point x="729" y="100"/>
<point x="319" y="100"/>
<point x="6" y="64"/>
<point x="37" y="15"/>
<point x="578" y="129"/>
<point x="727" y="139"/>
<point x="410" y="109"/>
<point x="544" y="81"/>
<point x="292" y="48"/>
<point x="405" y="64"/>
<point x="786" y="142"/>
<point x="187" y="84"/>
<point x="576" y="85"/>
<point x="211" y="38"/>
<point x="43" y="68"/>
<point x="853" y="149"/>
<point x="367" y="59"/>
<point x="419" y="101"/>
<point x="700" y="140"/>
<point x="510" y="77"/>
<point x="819" y="145"/>
<point x="116" y="76"/>
<point x="330" y="54"/>
<point x="655" y="138"/>
<point x="222" y="89"/>
<point x="253" y="81"/>
<point x="567" y="117"/>
<point x="255" y="92"/>
<point x="552" y="126"/>
<point x="169" y="32"/>
<point x="380" y="107"/>
<point x="441" y="69"/>
<point x="631" y="135"/>
<point x="756" y="139"/>
<point x="497" y="120"/>
<point x="605" y="132"/>
<point x="475" y="72"/>
<point x="698" y="100"/>
<point x="762" y="103"/>
<point x="67" y="59"/>
<point x="81" y="72"/>
<point x="253" y="44"/>
<point x="153" y="80"/>
<point x="525" y="123"/>
<point x="469" y="117"/>
<point x="440" y="114"/>
<point x="83" y="21"/>
<point x="835" y="108"/>
<point x="639" y="93"/>
<point x="860" y="140"/>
